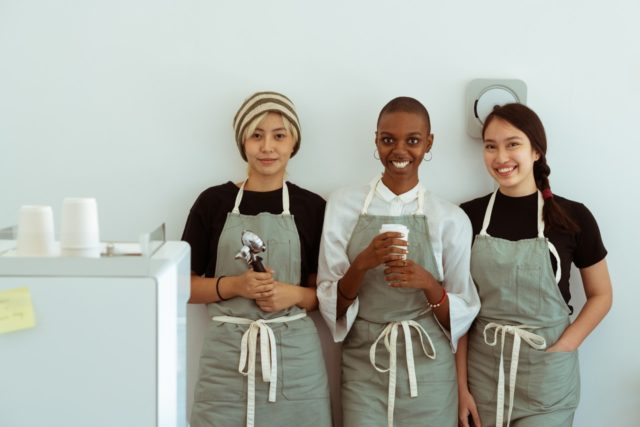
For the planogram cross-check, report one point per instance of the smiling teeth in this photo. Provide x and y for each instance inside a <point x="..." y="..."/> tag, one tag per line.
<point x="400" y="165"/>
<point x="505" y="170"/>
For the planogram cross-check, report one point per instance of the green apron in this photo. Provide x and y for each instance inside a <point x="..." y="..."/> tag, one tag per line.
<point x="409" y="391"/>
<point x="521" y="304"/>
<point x="282" y="348"/>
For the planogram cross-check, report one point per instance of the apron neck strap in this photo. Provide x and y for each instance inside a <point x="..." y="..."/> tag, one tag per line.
<point x="285" y="199"/>
<point x="540" y="220"/>
<point x="552" y="248"/>
<point x="487" y="215"/>
<point x="374" y="185"/>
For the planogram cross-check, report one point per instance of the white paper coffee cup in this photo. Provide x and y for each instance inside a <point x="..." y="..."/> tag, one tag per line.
<point x="35" y="231"/>
<point x="79" y="231"/>
<point x="397" y="228"/>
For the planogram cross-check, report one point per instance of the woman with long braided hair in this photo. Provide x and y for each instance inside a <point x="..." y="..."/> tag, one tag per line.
<point x="526" y="240"/>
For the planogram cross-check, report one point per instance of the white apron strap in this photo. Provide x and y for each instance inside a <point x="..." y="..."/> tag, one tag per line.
<point x="372" y="190"/>
<point x="552" y="248"/>
<point x="285" y="199"/>
<point x="373" y="185"/>
<point x="268" y="355"/>
<point x="487" y="215"/>
<point x="541" y="235"/>
<point x="390" y="335"/>
<point x="519" y="333"/>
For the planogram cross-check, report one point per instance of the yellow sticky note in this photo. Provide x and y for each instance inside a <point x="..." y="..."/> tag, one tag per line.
<point x="16" y="310"/>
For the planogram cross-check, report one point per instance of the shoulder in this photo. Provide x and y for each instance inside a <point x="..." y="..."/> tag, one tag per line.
<point x="220" y="191"/>
<point x="310" y="198"/>
<point x="343" y="208"/>
<point x="216" y="196"/>
<point x="476" y="207"/>
<point x="349" y="198"/>
<point x="438" y="205"/>
<point x="446" y="213"/>
<point x="571" y="206"/>
<point x="577" y="211"/>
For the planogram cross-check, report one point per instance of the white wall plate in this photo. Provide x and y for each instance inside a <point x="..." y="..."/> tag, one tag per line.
<point x="484" y="94"/>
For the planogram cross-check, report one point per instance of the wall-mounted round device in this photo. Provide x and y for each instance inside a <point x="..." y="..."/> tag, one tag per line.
<point x="484" y="94"/>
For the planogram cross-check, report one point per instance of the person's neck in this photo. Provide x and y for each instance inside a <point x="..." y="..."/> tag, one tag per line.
<point x="399" y="186"/>
<point x="263" y="183"/>
<point x="519" y="192"/>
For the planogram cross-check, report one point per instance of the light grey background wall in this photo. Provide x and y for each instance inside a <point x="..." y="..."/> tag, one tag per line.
<point x="131" y="102"/>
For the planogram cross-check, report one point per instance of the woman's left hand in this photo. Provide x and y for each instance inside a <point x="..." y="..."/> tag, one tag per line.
<point x="283" y="296"/>
<point x="559" y="346"/>
<point x="407" y="274"/>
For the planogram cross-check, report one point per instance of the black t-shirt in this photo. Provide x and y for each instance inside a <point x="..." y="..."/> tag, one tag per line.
<point x="515" y="218"/>
<point x="209" y="213"/>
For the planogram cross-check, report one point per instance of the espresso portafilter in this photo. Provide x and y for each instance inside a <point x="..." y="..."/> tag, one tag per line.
<point x="252" y="245"/>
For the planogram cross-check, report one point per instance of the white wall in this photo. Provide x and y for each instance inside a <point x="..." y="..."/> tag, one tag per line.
<point x="131" y="102"/>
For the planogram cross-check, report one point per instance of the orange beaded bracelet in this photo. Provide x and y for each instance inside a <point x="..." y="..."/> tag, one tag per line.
<point x="439" y="303"/>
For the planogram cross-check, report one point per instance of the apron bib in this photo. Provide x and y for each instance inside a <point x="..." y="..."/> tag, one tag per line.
<point x="412" y="390"/>
<point x="522" y="313"/>
<point x="281" y="348"/>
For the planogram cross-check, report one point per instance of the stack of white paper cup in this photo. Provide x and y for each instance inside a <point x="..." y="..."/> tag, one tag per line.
<point x="79" y="233"/>
<point x="398" y="228"/>
<point x="35" y="231"/>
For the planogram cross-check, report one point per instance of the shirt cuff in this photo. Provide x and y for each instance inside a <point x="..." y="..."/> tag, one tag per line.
<point x="461" y="315"/>
<point x="328" y="299"/>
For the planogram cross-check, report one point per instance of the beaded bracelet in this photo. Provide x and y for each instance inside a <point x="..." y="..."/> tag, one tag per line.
<point x="218" y="289"/>
<point x="439" y="303"/>
<point x="343" y="295"/>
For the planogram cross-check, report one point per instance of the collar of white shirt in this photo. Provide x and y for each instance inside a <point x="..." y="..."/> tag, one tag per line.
<point x="387" y="195"/>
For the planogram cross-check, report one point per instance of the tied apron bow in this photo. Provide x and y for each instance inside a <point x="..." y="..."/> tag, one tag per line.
<point x="268" y="355"/>
<point x="519" y="333"/>
<point x="390" y="334"/>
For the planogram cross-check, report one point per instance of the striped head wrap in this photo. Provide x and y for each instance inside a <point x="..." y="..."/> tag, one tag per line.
<point x="261" y="102"/>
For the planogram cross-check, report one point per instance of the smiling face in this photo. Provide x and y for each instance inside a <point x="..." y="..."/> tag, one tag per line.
<point x="509" y="158"/>
<point x="402" y="140"/>
<point x="269" y="147"/>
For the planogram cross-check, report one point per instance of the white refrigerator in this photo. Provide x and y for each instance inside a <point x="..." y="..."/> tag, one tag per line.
<point x="108" y="348"/>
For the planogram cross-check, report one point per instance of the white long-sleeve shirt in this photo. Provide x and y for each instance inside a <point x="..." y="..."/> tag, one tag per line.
<point x="450" y="235"/>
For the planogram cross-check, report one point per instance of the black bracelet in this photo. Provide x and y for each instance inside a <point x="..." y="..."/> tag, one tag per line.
<point x="218" y="289"/>
<point x="344" y="296"/>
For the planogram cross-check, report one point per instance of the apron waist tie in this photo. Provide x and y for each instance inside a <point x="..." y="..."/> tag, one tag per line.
<point x="519" y="333"/>
<point x="268" y="355"/>
<point x="390" y="334"/>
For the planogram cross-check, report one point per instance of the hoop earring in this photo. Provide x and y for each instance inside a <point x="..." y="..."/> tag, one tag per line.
<point x="424" y="159"/>
<point x="374" y="154"/>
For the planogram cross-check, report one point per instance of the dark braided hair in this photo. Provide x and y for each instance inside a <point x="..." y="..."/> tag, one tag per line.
<point x="526" y="120"/>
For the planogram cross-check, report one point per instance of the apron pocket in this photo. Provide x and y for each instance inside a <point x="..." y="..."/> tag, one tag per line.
<point x="355" y="354"/>
<point x="482" y="369"/>
<point x="440" y="369"/>
<point x="554" y="380"/>
<point x="304" y="375"/>
<point x="218" y="377"/>
<point x="528" y="280"/>
<point x="278" y="257"/>
<point x="220" y="381"/>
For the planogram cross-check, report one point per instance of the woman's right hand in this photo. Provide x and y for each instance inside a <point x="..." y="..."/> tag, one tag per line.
<point x="383" y="248"/>
<point x="254" y="285"/>
<point x="467" y="408"/>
